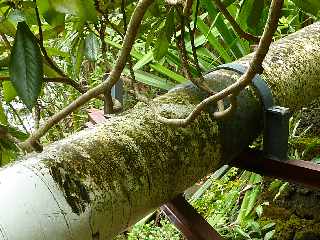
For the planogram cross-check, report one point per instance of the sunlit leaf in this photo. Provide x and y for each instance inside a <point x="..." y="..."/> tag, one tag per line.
<point x="259" y="210"/>
<point x="82" y="8"/>
<point x="9" y="92"/>
<point x="151" y="79"/>
<point x="3" y="117"/>
<point x="213" y="40"/>
<point x="25" y="66"/>
<point x="147" y="58"/>
<point x="16" y="16"/>
<point x="156" y="66"/>
<point x="7" y="28"/>
<point x="269" y="235"/>
<point x="53" y="17"/>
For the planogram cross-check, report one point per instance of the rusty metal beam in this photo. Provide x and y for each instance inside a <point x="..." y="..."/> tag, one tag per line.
<point x="188" y="220"/>
<point x="297" y="171"/>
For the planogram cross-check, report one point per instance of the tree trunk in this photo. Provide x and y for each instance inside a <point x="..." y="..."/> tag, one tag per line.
<point x="96" y="183"/>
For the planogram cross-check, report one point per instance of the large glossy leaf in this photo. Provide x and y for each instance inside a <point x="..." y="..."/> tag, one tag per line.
<point x="309" y="6"/>
<point x="82" y="8"/>
<point x="92" y="47"/>
<point x="25" y="66"/>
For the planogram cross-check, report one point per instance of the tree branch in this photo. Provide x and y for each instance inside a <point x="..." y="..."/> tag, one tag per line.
<point x="233" y="23"/>
<point x="64" y="80"/>
<point x="50" y="62"/>
<point x="187" y="7"/>
<point x="182" y="47"/>
<point x="129" y="39"/>
<point x="255" y="67"/>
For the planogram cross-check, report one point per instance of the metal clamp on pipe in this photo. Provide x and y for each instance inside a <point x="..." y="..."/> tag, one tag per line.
<point x="276" y="118"/>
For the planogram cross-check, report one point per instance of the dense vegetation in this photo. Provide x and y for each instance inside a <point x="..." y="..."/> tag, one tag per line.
<point x="54" y="51"/>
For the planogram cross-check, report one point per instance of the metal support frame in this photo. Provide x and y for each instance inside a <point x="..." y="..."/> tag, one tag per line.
<point x="297" y="171"/>
<point x="188" y="220"/>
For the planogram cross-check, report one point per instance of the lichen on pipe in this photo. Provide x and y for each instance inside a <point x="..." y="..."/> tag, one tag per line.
<point x="96" y="183"/>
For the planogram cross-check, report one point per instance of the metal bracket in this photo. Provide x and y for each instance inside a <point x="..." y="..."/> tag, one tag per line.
<point x="276" y="133"/>
<point x="117" y="91"/>
<point x="261" y="86"/>
<point x="276" y="118"/>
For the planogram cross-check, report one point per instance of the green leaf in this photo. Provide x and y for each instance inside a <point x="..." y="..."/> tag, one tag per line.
<point x="155" y="66"/>
<point x="9" y="92"/>
<point x="255" y="14"/>
<point x="268" y="226"/>
<point x="3" y="117"/>
<point x="242" y="233"/>
<point x="82" y="8"/>
<point x="269" y="235"/>
<point x="213" y="40"/>
<point x="53" y="17"/>
<point x="169" y="25"/>
<point x="15" y="132"/>
<point x="227" y="34"/>
<point x="143" y="61"/>
<point x="259" y="210"/>
<point x="309" y="6"/>
<point x="7" y="28"/>
<point x="92" y="47"/>
<point x="79" y="58"/>
<point x="227" y="3"/>
<point x="246" y="9"/>
<point x="16" y="16"/>
<point x="161" y="46"/>
<point x="151" y="79"/>
<point x="25" y="67"/>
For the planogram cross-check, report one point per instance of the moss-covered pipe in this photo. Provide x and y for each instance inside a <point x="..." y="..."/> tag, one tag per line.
<point x="99" y="181"/>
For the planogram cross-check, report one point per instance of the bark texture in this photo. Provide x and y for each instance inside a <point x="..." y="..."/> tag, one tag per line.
<point x="99" y="181"/>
